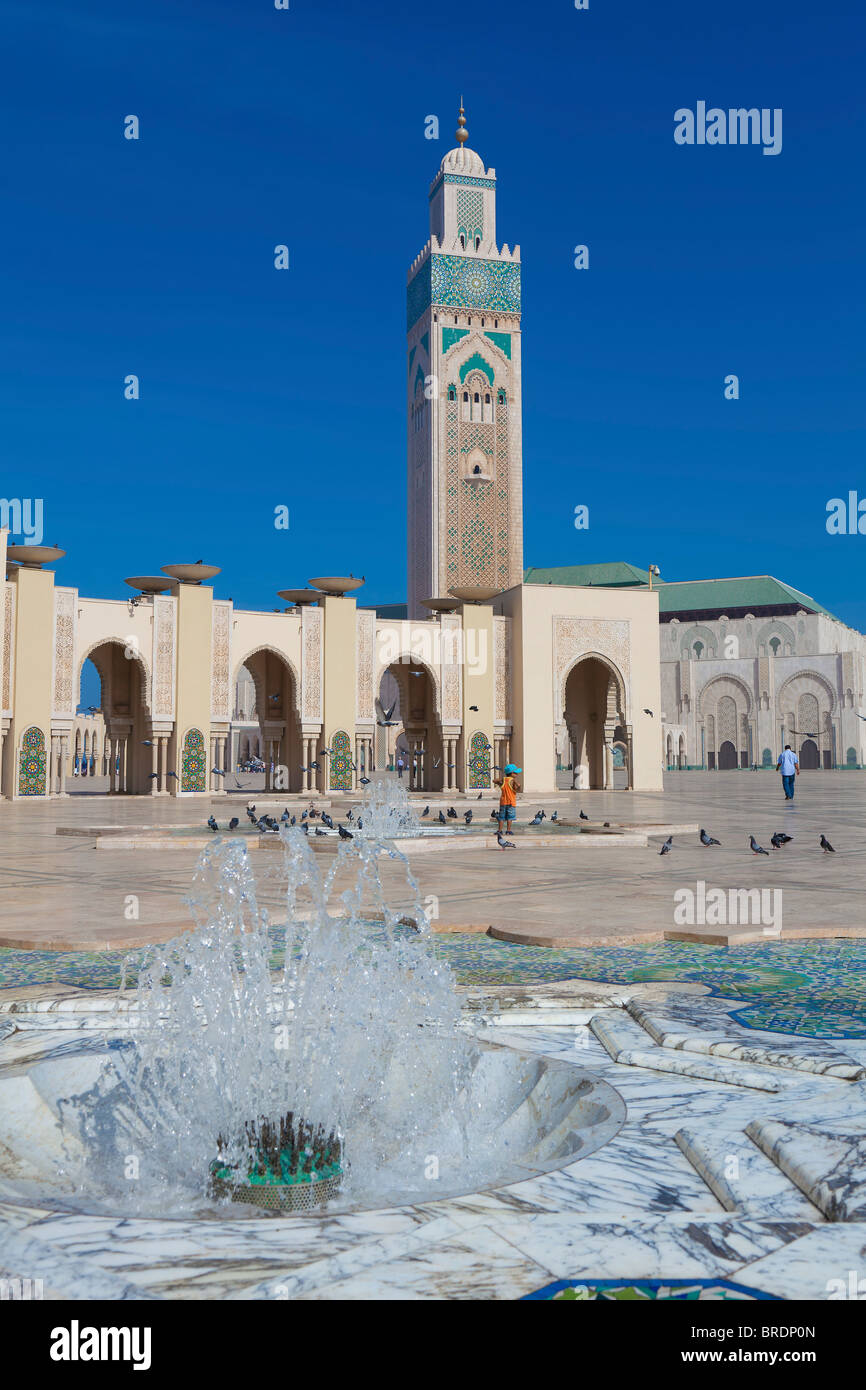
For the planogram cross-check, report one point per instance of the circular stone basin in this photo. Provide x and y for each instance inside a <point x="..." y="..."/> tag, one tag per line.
<point x="440" y="605"/>
<point x="148" y="583"/>
<point x="337" y="584"/>
<point x="299" y="596"/>
<point x="33" y="557"/>
<point x="544" y="1114"/>
<point x="475" y="594"/>
<point x="191" y="574"/>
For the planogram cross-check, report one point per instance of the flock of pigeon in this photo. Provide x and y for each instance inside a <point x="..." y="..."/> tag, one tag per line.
<point x="778" y="841"/>
<point x="267" y="825"/>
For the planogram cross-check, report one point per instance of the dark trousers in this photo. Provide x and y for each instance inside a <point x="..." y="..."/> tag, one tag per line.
<point x="788" y="784"/>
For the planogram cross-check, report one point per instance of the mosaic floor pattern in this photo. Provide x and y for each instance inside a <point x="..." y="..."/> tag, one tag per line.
<point x="811" y="989"/>
<point x="646" y="1290"/>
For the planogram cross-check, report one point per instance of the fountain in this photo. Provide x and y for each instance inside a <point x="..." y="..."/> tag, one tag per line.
<point x="269" y="1070"/>
<point x="386" y="812"/>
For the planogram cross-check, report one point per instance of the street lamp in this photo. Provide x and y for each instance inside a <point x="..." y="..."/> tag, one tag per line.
<point x="653" y="570"/>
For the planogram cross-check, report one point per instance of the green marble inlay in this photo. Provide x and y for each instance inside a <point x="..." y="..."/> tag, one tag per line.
<point x="502" y="341"/>
<point x="476" y="363"/>
<point x="450" y="336"/>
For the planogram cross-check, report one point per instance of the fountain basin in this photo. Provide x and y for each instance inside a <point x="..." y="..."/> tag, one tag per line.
<point x="549" y="1113"/>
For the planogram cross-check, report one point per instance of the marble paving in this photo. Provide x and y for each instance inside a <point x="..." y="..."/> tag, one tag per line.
<point x="706" y="1180"/>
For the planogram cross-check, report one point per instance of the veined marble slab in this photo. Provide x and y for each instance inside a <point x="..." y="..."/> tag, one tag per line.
<point x="742" y="1178"/>
<point x="829" y="1166"/>
<point x="828" y="1263"/>
<point x="626" y="1042"/>
<point x="664" y="1032"/>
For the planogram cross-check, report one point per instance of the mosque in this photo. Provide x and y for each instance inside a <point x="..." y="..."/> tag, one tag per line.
<point x="596" y="668"/>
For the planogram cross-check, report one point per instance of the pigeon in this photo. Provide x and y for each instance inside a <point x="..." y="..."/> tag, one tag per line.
<point x="436" y="762"/>
<point x="667" y="846"/>
<point x="360" y="824"/>
<point x="650" y="713"/>
<point x="217" y="772"/>
<point x="474" y="709"/>
<point x="826" y="846"/>
<point x="493" y="815"/>
<point x="606" y="825"/>
<point x="293" y="821"/>
<point x="285" y="816"/>
<point x="365" y="781"/>
<point x="148" y="742"/>
<point x="708" y="839"/>
<point x="452" y="814"/>
<point x="326" y="820"/>
<point x="467" y="816"/>
<point x="350" y="814"/>
<point x="344" y="833"/>
<point x="233" y="823"/>
<point x="152" y="775"/>
<point x="314" y="767"/>
<point x="583" y="816"/>
<point x="304" y="815"/>
<point x="778" y="839"/>
<point x="320" y="831"/>
<point x="172" y="774"/>
<point x="211" y="823"/>
<point x="554" y="818"/>
<point x="537" y="818"/>
<point x="425" y="812"/>
<point x="305" y="827"/>
<point x="756" y="848"/>
<point x="479" y="796"/>
<point x="442" y="819"/>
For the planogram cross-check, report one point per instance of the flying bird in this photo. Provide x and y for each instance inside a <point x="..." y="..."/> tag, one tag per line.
<point x="650" y="713"/>
<point x="365" y="781"/>
<point x="474" y="708"/>
<point x="147" y="742"/>
<point x="826" y="846"/>
<point x="667" y="846"/>
<point x="708" y="839"/>
<point x="756" y="848"/>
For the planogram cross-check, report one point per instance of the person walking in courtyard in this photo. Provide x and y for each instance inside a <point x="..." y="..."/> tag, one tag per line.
<point x="400" y="766"/>
<point x="789" y="766"/>
<point x="507" y="803"/>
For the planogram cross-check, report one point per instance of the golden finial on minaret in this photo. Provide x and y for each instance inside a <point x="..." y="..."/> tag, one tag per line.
<point x="462" y="132"/>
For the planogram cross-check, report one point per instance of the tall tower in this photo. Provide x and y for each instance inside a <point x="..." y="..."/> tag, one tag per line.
<point x="465" y="505"/>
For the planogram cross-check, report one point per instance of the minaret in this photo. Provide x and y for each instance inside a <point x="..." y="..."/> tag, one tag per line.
<point x="465" y="522"/>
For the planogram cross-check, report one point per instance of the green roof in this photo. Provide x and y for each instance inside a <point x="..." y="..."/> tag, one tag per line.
<point x="614" y="574"/>
<point x="750" y="592"/>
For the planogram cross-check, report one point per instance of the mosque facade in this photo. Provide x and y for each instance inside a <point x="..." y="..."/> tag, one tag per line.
<point x="485" y="664"/>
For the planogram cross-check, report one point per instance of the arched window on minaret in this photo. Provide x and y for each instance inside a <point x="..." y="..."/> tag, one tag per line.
<point x="452" y="394"/>
<point x="476" y="406"/>
<point x="467" y="415"/>
<point x="488" y="408"/>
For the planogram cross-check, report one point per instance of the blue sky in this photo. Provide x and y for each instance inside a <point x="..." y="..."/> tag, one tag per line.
<point x="306" y="127"/>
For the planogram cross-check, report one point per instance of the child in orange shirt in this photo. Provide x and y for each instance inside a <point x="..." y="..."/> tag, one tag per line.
<point x="507" y="804"/>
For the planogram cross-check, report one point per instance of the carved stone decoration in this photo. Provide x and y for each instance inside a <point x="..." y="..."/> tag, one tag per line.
<point x="502" y="668"/>
<point x="578" y="637"/>
<point x="365" y="628"/>
<point x="63" y="698"/>
<point x="164" y="649"/>
<point x="311" y="662"/>
<point x="221" y="663"/>
<point x="8" y="647"/>
<point x="452" y="693"/>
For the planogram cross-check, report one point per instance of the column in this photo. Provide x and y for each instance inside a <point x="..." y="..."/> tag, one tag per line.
<point x="154" y="765"/>
<point x="212" y="778"/>
<point x="124" y="742"/>
<point x="222" y="750"/>
<point x="112" y="751"/>
<point x="53" y="765"/>
<point x="64" y="754"/>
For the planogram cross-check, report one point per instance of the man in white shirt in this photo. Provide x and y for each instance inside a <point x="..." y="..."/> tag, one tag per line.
<point x="789" y="767"/>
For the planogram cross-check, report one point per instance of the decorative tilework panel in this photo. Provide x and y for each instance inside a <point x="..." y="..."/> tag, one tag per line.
<point x="502" y="341"/>
<point x="340" y="762"/>
<point x="450" y="336"/>
<point x="31" y="765"/>
<point x="476" y="363"/>
<point x="471" y="283"/>
<point x="479" y="763"/>
<point x="418" y="294"/>
<point x="193" y="764"/>
<point x="470" y="212"/>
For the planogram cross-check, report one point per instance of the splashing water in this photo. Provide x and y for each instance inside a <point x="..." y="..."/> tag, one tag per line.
<point x="387" y="813"/>
<point x="356" y="1030"/>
